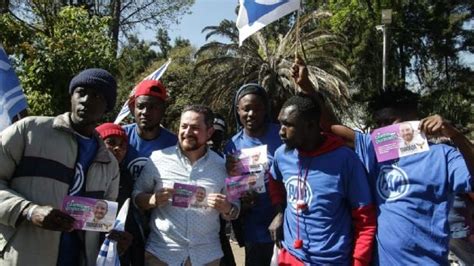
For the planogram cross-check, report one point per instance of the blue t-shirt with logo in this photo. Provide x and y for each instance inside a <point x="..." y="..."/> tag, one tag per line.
<point x="70" y="246"/>
<point x="413" y="196"/>
<point x="336" y="183"/>
<point x="87" y="149"/>
<point x="140" y="149"/>
<point x="259" y="217"/>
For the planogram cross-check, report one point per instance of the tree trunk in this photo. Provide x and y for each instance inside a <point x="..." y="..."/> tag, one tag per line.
<point x="115" y="24"/>
<point x="4" y="6"/>
<point x="402" y="66"/>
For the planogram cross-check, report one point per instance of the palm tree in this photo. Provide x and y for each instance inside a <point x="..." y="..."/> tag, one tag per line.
<point x="266" y="58"/>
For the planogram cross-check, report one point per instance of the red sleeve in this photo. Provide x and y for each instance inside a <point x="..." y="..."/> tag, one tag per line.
<point x="364" y="220"/>
<point x="276" y="191"/>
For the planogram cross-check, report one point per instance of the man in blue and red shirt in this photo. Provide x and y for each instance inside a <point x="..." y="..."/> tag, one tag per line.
<point x="413" y="194"/>
<point x="252" y="112"/>
<point x="329" y="217"/>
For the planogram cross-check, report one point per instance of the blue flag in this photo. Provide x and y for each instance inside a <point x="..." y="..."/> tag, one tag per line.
<point x="12" y="99"/>
<point x="256" y="14"/>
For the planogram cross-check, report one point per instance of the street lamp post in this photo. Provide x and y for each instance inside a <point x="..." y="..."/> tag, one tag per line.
<point x="386" y="20"/>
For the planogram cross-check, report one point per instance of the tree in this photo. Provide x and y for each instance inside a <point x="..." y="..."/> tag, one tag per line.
<point x="425" y="43"/>
<point x="266" y="58"/>
<point x="163" y="42"/>
<point x="180" y="80"/>
<point x="149" y="13"/>
<point x="134" y="58"/>
<point x="47" y="59"/>
<point x="125" y="15"/>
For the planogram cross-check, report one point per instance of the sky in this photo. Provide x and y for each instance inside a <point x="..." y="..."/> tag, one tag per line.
<point x="203" y="13"/>
<point x="212" y="12"/>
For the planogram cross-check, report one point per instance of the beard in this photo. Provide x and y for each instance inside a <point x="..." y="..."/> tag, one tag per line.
<point x="408" y="138"/>
<point x="191" y="144"/>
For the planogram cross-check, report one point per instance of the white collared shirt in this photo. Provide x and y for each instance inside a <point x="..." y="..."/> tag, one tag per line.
<point x="179" y="233"/>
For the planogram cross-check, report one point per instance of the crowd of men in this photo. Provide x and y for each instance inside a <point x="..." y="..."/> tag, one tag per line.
<point x="327" y="200"/>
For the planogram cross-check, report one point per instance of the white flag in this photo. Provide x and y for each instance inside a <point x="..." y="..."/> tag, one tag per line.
<point x="108" y="254"/>
<point x="256" y="14"/>
<point x="156" y="75"/>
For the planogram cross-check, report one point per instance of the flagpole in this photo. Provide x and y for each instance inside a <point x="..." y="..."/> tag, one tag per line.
<point x="297" y="31"/>
<point x="298" y="39"/>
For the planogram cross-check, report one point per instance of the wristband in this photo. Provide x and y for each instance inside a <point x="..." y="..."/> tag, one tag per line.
<point x="233" y="212"/>
<point x="30" y="213"/>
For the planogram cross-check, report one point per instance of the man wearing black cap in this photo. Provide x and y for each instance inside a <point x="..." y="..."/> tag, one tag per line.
<point x="44" y="159"/>
<point x="252" y="112"/>
<point x="217" y="139"/>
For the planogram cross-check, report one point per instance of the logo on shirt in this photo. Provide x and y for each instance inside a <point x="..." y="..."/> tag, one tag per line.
<point x="392" y="183"/>
<point x="78" y="180"/>
<point x="291" y="186"/>
<point x="136" y="166"/>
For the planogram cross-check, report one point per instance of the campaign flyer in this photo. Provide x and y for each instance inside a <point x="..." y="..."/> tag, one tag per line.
<point x="189" y="196"/>
<point x="91" y="214"/>
<point x="237" y="185"/>
<point x="254" y="159"/>
<point x="251" y="166"/>
<point x="398" y="140"/>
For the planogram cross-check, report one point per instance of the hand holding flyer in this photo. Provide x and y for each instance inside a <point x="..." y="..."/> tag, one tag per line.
<point x="254" y="159"/>
<point x="237" y="185"/>
<point x="91" y="214"/>
<point x="186" y="195"/>
<point x="248" y="171"/>
<point x="398" y="140"/>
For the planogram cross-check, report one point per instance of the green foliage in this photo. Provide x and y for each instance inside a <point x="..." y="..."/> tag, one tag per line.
<point x="135" y="57"/>
<point x="179" y="78"/>
<point x="49" y="59"/>
<point x="266" y="58"/>
<point x="425" y="41"/>
<point x="163" y="42"/>
<point x="181" y="82"/>
<point x="453" y="100"/>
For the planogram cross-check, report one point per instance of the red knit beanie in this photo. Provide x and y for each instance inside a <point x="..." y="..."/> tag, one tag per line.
<point x="110" y="129"/>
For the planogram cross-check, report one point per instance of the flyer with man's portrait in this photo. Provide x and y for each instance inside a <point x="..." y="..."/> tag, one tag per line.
<point x="237" y="185"/>
<point x="254" y="159"/>
<point x="91" y="214"/>
<point x="252" y="164"/>
<point x="398" y="140"/>
<point x="189" y="196"/>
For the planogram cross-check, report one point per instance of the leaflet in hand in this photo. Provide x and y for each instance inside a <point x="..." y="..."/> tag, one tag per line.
<point x="91" y="214"/>
<point x="398" y="140"/>
<point x="237" y="185"/>
<point x="249" y="171"/>
<point x="189" y="196"/>
<point x="249" y="160"/>
<point x="253" y="159"/>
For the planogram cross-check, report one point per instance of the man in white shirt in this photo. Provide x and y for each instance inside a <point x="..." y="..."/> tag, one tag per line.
<point x="185" y="236"/>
